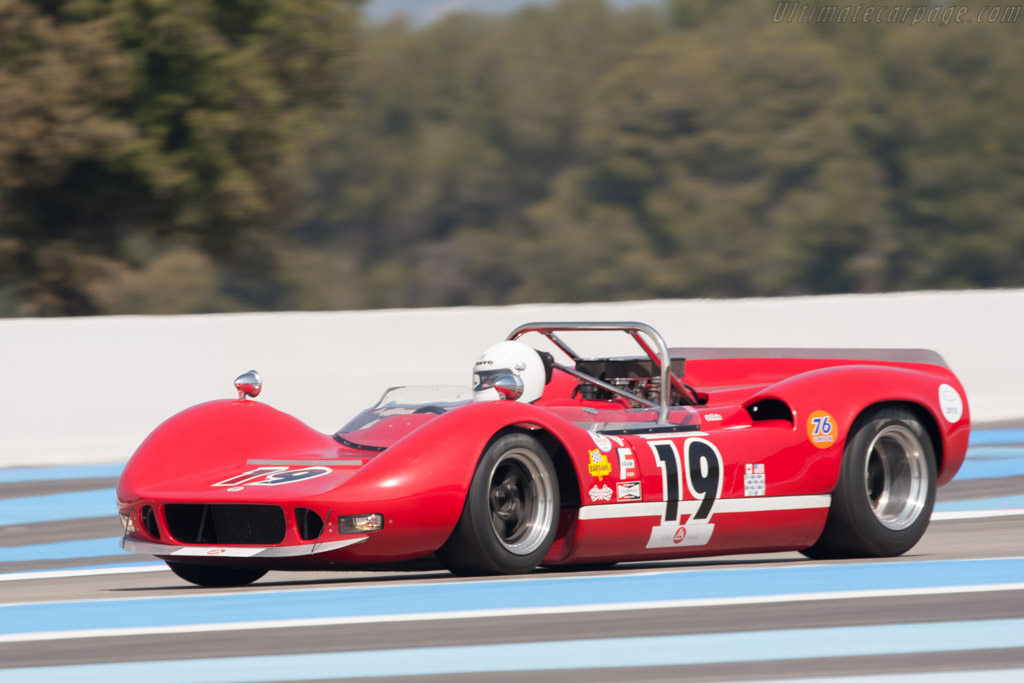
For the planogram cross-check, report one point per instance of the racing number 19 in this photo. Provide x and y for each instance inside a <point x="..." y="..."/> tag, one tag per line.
<point x="703" y="476"/>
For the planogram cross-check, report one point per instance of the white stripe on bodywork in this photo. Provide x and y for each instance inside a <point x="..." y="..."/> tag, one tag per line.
<point x="723" y="505"/>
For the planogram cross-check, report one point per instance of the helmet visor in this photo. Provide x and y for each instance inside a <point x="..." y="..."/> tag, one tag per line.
<point x="485" y="379"/>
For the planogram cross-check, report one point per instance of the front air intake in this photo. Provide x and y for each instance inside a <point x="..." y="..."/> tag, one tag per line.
<point x="309" y="524"/>
<point x="148" y="518"/>
<point x="226" y="524"/>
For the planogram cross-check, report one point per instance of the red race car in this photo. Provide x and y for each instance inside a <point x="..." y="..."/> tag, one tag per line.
<point x="672" y="453"/>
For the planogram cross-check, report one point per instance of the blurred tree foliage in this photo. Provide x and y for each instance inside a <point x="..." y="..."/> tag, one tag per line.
<point x="201" y="155"/>
<point x="154" y="153"/>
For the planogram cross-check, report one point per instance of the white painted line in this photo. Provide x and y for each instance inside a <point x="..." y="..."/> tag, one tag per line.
<point x="976" y="514"/>
<point x="76" y="573"/>
<point x="495" y="613"/>
<point x="973" y="675"/>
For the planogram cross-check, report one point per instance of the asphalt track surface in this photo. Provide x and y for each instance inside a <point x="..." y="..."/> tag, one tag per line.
<point x="73" y="607"/>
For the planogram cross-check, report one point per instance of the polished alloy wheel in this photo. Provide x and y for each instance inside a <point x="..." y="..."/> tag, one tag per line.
<point x="895" y="474"/>
<point x="521" y="501"/>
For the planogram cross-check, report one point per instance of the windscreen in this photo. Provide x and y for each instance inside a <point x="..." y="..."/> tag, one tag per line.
<point x="399" y="411"/>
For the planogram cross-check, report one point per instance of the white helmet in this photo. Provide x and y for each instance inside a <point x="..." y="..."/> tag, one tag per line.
<point x="509" y="358"/>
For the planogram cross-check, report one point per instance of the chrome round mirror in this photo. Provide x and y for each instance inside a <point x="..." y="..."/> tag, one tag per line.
<point x="249" y="384"/>
<point x="509" y="387"/>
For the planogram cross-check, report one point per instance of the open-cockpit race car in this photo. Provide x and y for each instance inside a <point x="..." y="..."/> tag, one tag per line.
<point x="672" y="453"/>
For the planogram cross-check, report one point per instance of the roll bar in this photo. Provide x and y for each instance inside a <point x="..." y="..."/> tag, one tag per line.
<point x="654" y="346"/>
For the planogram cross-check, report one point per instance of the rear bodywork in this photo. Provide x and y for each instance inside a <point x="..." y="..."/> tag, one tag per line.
<point x="674" y="453"/>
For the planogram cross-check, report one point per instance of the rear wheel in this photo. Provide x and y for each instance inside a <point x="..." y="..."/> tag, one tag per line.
<point x="213" y="576"/>
<point x="883" y="501"/>
<point x="511" y="512"/>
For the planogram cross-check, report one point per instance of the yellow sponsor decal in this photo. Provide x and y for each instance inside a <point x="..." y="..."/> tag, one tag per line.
<point x="599" y="466"/>
<point x="821" y="429"/>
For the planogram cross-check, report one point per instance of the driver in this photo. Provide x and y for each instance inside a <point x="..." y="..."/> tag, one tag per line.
<point x="511" y="358"/>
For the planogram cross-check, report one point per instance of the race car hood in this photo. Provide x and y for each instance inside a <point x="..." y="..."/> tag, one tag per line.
<point x="238" y="448"/>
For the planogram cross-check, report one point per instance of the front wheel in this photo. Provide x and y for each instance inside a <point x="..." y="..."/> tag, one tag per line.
<point x="511" y="512"/>
<point x="213" y="576"/>
<point x="883" y="501"/>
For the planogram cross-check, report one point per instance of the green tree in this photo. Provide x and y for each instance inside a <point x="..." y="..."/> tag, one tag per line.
<point x="153" y="125"/>
<point x="451" y="132"/>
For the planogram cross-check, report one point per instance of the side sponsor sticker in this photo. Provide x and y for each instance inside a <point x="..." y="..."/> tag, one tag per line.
<point x="627" y="463"/>
<point x="821" y="429"/>
<point x="604" y="493"/>
<point x="628" y="490"/>
<point x="203" y="551"/>
<point x="671" y="536"/>
<point x="598" y="466"/>
<point x="753" y="479"/>
<point x="602" y="442"/>
<point x="951" y="404"/>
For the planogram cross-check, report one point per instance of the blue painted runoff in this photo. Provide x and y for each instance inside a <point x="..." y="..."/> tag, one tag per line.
<point x="61" y="550"/>
<point x="16" y="475"/>
<point x="995" y="452"/>
<point x="535" y="592"/>
<point x="992" y="462"/>
<point x="1000" y="503"/>
<point x="58" y="507"/>
<point x="597" y="653"/>
<point x="989" y="437"/>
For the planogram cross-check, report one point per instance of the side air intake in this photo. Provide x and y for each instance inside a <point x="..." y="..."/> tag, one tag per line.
<point x="770" y="409"/>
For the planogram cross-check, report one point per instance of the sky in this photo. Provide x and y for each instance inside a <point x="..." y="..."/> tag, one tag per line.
<point x="426" y="11"/>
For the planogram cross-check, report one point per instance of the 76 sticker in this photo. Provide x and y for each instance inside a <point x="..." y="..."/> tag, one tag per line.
<point x="821" y="429"/>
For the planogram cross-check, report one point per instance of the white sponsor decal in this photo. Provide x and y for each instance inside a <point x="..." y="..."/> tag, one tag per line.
<point x="712" y="417"/>
<point x="628" y="490"/>
<point x="677" y="535"/>
<point x="602" y="442"/>
<point x="603" y="493"/>
<point x="753" y="484"/>
<point x="950" y="403"/>
<point x="753" y="479"/>
<point x="627" y="464"/>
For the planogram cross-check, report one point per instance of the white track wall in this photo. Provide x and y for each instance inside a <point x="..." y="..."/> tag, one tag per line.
<point x="79" y="390"/>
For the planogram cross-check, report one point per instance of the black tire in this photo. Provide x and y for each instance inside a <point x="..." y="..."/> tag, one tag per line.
<point x="886" y="490"/>
<point x="510" y="516"/>
<point x="213" y="576"/>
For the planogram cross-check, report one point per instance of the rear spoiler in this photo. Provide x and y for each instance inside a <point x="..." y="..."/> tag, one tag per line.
<point x="923" y="356"/>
